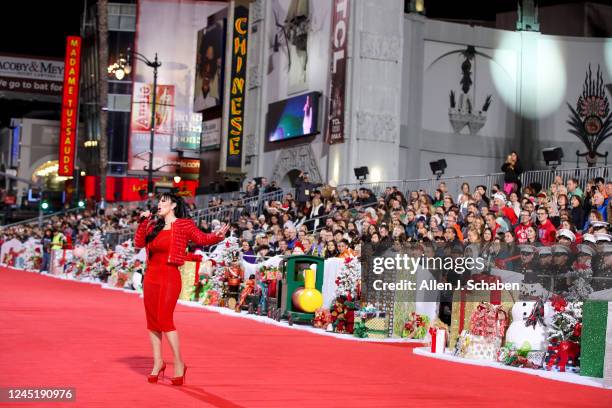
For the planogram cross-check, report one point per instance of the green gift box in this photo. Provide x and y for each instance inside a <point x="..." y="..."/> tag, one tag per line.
<point x="373" y="325"/>
<point x="596" y="339"/>
<point x="377" y="327"/>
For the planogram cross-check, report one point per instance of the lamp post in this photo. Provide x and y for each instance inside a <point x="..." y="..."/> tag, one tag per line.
<point x="120" y="69"/>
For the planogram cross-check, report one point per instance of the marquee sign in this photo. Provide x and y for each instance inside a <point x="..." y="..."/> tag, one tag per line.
<point x="337" y="83"/>
<point x="237" y="93"/>
<point x="70" y="107"/>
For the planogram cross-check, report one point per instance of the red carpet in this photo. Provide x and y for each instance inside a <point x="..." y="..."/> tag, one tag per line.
<point x="62" y="333"/>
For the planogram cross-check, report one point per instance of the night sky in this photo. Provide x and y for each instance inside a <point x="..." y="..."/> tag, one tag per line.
<point x="36" y="28"/>
<point x="39" y="28"/>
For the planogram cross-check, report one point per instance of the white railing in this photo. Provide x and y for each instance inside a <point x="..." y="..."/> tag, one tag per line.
<point x="453" y="184"/>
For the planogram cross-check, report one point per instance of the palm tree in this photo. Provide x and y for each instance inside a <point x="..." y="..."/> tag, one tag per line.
<point x="103" y="90"/>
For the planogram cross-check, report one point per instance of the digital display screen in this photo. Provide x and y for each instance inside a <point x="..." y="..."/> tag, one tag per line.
<point x="294" y="117"/>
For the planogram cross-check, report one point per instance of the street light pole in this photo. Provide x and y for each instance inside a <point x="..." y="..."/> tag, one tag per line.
<point x="120" y="69"/>
<point x="155" y="65"/>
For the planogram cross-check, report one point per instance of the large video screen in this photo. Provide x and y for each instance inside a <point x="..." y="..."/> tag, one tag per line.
<point x="294" y="117"/>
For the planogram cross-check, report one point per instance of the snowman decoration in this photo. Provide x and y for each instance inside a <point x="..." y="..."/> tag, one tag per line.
<point x="529" y="322"/>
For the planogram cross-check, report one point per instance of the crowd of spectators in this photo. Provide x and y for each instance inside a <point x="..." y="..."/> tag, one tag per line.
<point x="531" y="229"/>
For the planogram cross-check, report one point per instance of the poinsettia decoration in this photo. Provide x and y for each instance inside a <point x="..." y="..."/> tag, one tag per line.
<point x="416" y="327"/>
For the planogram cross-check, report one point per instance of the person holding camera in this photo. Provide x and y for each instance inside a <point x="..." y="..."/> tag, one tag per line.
<point x="303" y="188"/>
<point x="512" y="170"/>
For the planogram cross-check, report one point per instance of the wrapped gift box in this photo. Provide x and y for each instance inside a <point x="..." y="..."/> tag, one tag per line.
<point x="536" y="358"/>
<point x="59" y="259"/>
<point x="477" y="347"/>
<point x="465" y="303"/>
<point x="376" y="323"/>
<point x="439" y="337"/>
<point x="596" y="339"/>
<point x="377" y="327"/>
<point x="188" y="278"/>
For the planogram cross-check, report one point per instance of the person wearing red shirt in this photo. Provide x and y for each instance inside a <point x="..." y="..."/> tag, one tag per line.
<point x="547" y="233"/>
<point x="165" y="237"/>
<point x="503" y="210"/>
<point x="521" y="230"/>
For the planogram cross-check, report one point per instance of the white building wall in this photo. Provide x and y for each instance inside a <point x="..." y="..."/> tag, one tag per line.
<point x="402" y="68"/>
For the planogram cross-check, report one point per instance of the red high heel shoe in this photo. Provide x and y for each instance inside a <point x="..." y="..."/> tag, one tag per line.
<point x="179" y="380"/>
<point x="153" y="378"/>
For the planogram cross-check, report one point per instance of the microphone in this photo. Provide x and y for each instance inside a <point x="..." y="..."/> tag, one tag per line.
<point x="153" y="212"/>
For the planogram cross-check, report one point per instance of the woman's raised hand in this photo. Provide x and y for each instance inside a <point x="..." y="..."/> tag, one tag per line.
<point x="222" y="231"/>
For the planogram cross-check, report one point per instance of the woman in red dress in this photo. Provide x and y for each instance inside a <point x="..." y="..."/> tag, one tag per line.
<point x="165" y="238"/>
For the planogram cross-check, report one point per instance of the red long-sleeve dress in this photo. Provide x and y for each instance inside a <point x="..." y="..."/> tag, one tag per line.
<point x="162" y="280"/>
<point x="161" y="286"/>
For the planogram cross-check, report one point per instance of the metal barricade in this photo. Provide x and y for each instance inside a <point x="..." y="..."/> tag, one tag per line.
<point x="231" y="211"/>
<point x="42" y="219"/>
<point x="113" y="238"/>
<point x="544" y="177"/>
<point x="453" y="184"/>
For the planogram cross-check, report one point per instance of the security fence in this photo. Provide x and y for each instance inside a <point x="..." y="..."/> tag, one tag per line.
<point x="544" y="177"/>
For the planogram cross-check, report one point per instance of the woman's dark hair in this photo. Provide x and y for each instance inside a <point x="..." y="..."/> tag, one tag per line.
<point x="180" y="211"/>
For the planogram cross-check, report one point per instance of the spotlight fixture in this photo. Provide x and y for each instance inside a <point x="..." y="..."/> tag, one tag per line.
<point x="437" y="167"/>
<point x="361" y="173"/>
<point x="552" y="156"/>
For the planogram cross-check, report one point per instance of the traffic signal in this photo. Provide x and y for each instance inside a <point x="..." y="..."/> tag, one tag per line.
<point x="81" y="204"/>
<point x="44" y="205"/>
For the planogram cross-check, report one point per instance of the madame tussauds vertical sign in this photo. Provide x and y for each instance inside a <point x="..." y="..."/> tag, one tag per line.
<point x="70" y="107"/>
<point x="337" y="83"/>
<point x="238" y="77"/>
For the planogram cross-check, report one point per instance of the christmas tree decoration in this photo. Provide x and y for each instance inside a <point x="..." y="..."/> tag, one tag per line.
<point x="566" y="321"/>
<point x="348" y="280"/>
<point x="563" y="353"/>
<point x="596" y="339"/>
<point x="580" y="277"/>
<point x="122" y="266"/>
<point x="92" y="265"/>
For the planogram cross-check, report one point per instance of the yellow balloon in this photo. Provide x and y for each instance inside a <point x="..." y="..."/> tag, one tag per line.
<point x="310" y="300"/>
